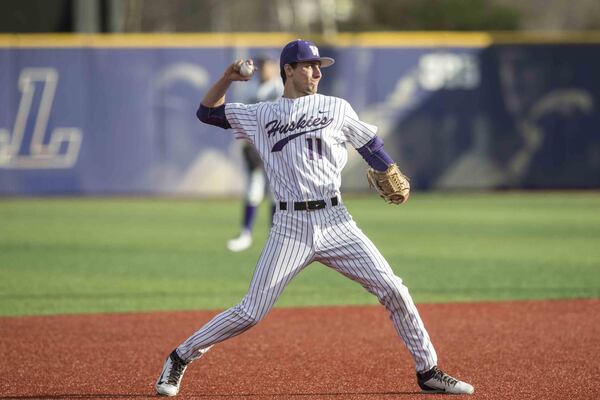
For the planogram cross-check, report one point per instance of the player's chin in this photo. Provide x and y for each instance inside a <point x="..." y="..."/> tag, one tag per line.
<point x="308" y="92"/>
<point x="312" y="89"/>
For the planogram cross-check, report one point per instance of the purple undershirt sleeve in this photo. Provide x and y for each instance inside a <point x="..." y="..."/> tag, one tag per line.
<point x="213" y="116"/>
<point x="375" y="155"/>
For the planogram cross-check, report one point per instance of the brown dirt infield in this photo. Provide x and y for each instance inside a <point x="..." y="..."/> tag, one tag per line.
<point x="508" y="350"/>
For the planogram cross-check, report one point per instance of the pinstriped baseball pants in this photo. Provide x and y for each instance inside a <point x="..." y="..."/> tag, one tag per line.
<point x="331" y="237"/>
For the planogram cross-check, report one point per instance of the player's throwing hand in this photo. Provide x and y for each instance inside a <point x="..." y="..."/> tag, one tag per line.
<point x="240" y="70"/>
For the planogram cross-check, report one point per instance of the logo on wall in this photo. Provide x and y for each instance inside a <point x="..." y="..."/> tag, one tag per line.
<point x="447" y="70"/>
<point x="29" y="145"/>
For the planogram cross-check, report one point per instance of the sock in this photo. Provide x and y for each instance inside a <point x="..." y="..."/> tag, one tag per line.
<point x="249" y="215"/>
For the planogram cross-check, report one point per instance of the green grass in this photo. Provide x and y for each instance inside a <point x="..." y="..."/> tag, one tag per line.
<point x="98" y="255"/>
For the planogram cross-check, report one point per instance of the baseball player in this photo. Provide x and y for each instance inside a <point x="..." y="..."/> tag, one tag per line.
<point x="270" y="88"/>
<point x="301" y="139"/>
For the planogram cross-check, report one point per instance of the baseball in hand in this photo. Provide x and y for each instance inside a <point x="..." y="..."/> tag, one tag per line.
<point x="246" y="69"/>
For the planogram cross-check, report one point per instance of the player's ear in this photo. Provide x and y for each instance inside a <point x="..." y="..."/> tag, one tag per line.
<point x="288" y="70"/>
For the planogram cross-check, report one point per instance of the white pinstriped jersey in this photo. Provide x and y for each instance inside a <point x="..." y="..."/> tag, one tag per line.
<point x="302" y="142"/>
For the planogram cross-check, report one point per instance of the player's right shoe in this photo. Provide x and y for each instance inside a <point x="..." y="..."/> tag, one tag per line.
<point x="170" y="378"/>
<point x="437" y="381"/>
<point x="240" y="243"/>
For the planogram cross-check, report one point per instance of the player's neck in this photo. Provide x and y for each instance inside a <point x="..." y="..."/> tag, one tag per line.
<point x="292" y="93"/>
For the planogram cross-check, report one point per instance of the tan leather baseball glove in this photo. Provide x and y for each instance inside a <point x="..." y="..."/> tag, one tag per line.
<point x="392" y="184"/>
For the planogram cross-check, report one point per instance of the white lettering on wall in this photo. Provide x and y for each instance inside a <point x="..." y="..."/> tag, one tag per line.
<point x="60" y="150"/>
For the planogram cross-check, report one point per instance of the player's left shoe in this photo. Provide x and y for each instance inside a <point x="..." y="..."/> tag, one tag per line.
<point x="170" y="378"/>
<point x="437" y="381"/>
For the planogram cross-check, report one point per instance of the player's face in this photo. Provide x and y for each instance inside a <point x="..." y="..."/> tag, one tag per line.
<point x="306" y="77"/>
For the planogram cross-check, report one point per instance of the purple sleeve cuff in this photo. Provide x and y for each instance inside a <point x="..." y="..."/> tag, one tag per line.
<point x="375" y="155"/>
<point x="213" y="116"/>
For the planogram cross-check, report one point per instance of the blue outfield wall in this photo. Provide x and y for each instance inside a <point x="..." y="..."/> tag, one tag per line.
<point x="118" y="116"/>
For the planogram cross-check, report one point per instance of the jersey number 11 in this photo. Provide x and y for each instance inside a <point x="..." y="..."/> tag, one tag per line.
<point x="311" y="148"/>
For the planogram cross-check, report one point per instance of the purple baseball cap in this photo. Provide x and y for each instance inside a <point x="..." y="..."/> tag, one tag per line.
<point x="302" y="50"/>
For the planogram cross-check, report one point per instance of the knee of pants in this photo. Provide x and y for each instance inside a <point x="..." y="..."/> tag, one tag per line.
<point x="246" y="316"/>
<point x="392" y="295"/>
